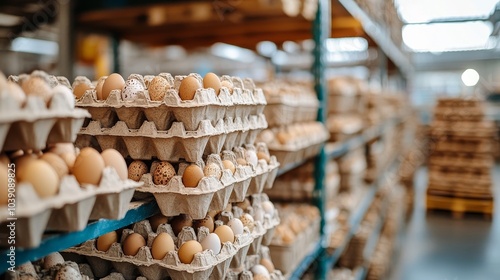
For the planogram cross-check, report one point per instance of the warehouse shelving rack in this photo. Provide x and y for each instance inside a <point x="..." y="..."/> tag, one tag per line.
<point x="138" y="211"/>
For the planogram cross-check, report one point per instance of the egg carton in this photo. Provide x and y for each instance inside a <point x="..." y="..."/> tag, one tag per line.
<point x="291" y="154"/>
<point x="205" y="265"/>
<point x="286" y="257"/>
<point x="70" y="209"/>
<point x="177" y="142"/>
<point x="283" y="110"/>
<point x="247" y="275"/>
<point x="301" y="190"/>
<point x="244" y="100"/>
<point x="33" y="126"/>
<point x="66" y="270"/>
<point x="341" y="104"/>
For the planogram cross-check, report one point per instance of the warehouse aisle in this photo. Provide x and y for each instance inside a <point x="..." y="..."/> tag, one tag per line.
<point x="437" y="247"/>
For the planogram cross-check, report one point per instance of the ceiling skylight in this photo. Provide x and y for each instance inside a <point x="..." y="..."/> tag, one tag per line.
<point x="422" y="11"/>
<point x="441" y="37"/>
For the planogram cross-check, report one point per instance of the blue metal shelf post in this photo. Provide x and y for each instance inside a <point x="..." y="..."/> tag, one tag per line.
<point x="321" y="31"/>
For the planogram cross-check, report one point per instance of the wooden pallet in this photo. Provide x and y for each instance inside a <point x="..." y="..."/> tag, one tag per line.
<point x="460" y="206"/>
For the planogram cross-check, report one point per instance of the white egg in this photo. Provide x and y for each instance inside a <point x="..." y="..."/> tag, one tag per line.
<point x="251" y="157"/>
<point x="260" y="270"/>
<point x="211" y="242"/>
<point x="68" y="273"/>
<point x="131" y="89"/>
<point x="236" y="225"/>
<point x="268" y="207"/>
<point x="258" y="214"/>
<point x="66" y="92"/>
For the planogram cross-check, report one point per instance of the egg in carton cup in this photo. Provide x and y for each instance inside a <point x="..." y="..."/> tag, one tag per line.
<point x="176" y="143"/>
<point x="52" y="266"/>
<point x="295" y="142"/>
<point x="166" y="99"/>
<point x="209" y="190"/>
<point x="287" y="104"/>
<point x="265" y="166"/>
<point x="70" y="209"/>
<point x="204" y="265"/>
<point x="36" y="114"/>
<point x="243" y="174"/>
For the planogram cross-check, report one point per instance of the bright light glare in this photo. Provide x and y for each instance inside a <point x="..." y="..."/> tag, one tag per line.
<point x="447" y="36"/>
<point x="420" y="11"/>
<point x="470" y="77"/>
<point x="29" y="45"/>
<point x="352" y="44"/>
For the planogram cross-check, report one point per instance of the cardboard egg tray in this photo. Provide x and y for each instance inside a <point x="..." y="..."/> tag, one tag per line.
<point x="33" y="126"/>
<point x="175" y="143"/>
<point x="462" y="160"/>
<point x="58" y="271"/>
<point x="70" y="209"/>
<point x="300" y="190"/>
<point x="465" y="145"/>
<point x="244" y="100"/>
<point x="206" y="265"/>
<point x="211" y="193"/>
<point x="463" y="114"/>
<point x="298" y="150"/>
<point x="287" y="256"/>
<point x="263" y="236"/>
<point x="252" y="260"/>
<point x="285" y="110"/>
<point x="341" y="104"/>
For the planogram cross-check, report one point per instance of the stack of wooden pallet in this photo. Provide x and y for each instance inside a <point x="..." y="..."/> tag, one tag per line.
<point x="461" y="158"/>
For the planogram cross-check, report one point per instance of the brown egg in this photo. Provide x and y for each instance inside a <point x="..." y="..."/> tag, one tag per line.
<point x="179" y="222"/>
<point x="225" y="233"/>
<point x="264" y="156"/>
<point x="21" y="163"/>
<point x="88" y="166"/>
<point x="41" y="176"/>
<point x="162" y="244"/>
<point x="37" y="86"/>
<point x="188" y="250"/>
<point x="157" y="220"/>
<point x="283" y="137"/>
<point x="163" y="173"/>
<point x="69" y="159"/>
<point x="244" y="204"/>
<point x="4" y="184"/>
<point x="158" y="88"/>
<point x="114" y="159"/>
<point x="105" y="241"/>
<point x="62" y="148"/>
<point x="192" y="176"/>
<point x="98" y="87"/>
<point x="136" y="169"/>
<point x="57" y="163"/>
<point x="267" y="264"/>
<point x="227" y="85"/>
<point x="229" y="165"/>
<point x="212" y="169"/>
<point x="133" y="243"/>
<point x="4" y="159"/>
<point x="80" y="88"/>
<point x="212" y="213"/>
<point x="212" y="81"/>
<point x="113" y="81"/>
<point x="207" y="222"/>
<point x="188" y="88"/>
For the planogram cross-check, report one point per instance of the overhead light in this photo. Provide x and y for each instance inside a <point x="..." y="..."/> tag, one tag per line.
<point x="423" y="11"/>
<point x="9" y="20"/>
<point x="233" y="52"/>
<point x="36" y="46"/>
<point x="351" y="44"/>
<point x="442" y="37"/>
<point x="470" y="77"/>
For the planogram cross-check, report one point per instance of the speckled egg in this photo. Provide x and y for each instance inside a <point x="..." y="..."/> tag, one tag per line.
<point x="207" y="222"/>
<point x="52" y="260"/>
<point x="158" y="88"/>
<point x="68" y="273"/>
<point x="136" y="169"/>
<point x="131" y="89"/>
<point x="212" y="169"/>
<point x="163" y="173"/>
<point x="248" y="221"/>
